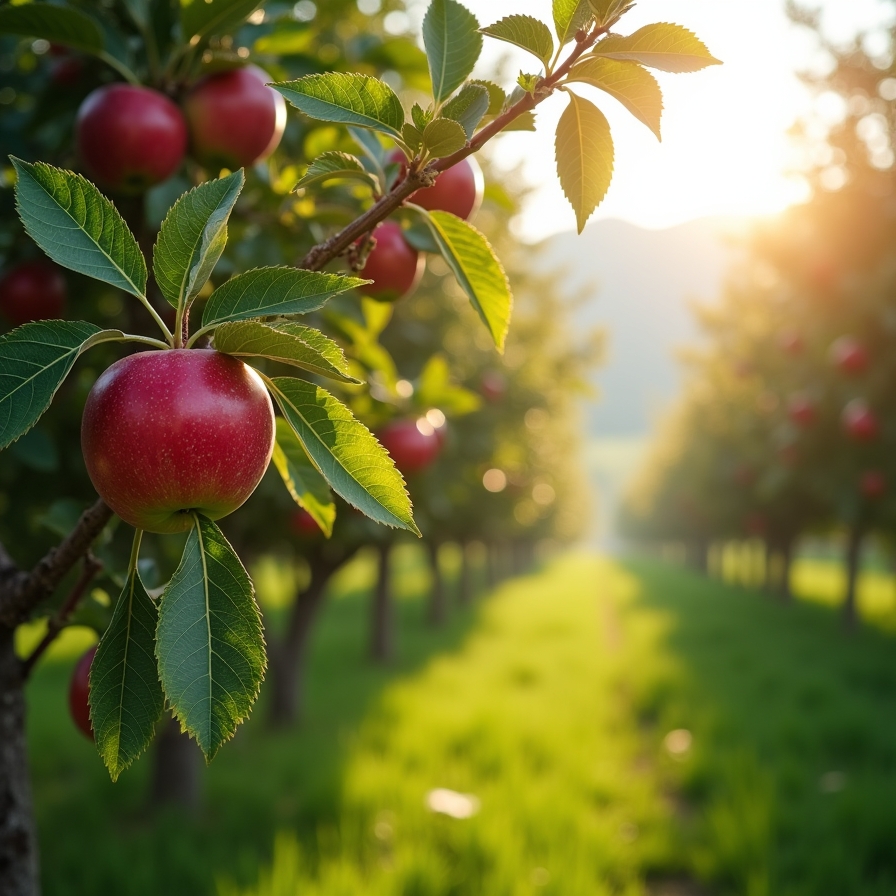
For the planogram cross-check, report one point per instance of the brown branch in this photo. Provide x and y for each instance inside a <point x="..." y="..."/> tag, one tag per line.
<point x="336" y="245"/>
<point x="92" y="566"/>
<point x="22" y="592"/>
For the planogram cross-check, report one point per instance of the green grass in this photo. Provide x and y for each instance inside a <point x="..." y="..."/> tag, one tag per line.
<point x="551" y="702"/>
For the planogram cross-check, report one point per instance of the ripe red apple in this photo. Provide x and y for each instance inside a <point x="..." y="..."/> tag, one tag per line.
<point x="169" y="432"/>
<point x="801" y="410"/>
<point x="493" y="386"/>
<point x="458" y="189"/>
<point x="849" y="355"/>
<point x="791" y="342"/>
<point x="394" y="266"/>
<point x="130" y="137"/>
<point x="413" y="444"/>
<point x="78" y="692"/>
<point x="873" y="484"/>
<point x="859" y="421"/>
<point x="304" y="524"/>
<point x="32" y="290"/>
<point x="235" y="119"/>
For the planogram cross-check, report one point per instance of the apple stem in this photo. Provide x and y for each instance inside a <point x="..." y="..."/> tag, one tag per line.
<point x="146" y="340"/>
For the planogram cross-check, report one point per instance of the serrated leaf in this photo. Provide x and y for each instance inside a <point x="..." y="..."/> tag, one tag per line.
<point x="584" y="151"/>
<point x="57" y="24"/>
<point x="308" y="488"/>
<point x="670" y="48"/>
<point x="345" y="452"/>
<point x="126" y="698"/>
<point x="264" y="292"/>
<point x="192" y="238"/>
<point x="453" y="44"/>
<point x="608" y="12"/>
<point x="443" y="137"/>
<point x="634" y="87"/>
<point x="209" y="642"/>
<point x="477" y="269"/>
<point x="412" y="137"/>
<point x="77" y="226"/>
<point x="496" y="96"/>
<point x="34" y="360"/>
<point x="469" y="107"/>
<point x="202" y="18"/>
<point x="569" y="17"/>
<point x="525" y="32"/>
<point x="420" y="116"/>
<point x="344" y="98"/>
<point x="292" y="344"/>
<point x="523" y="122"/>
<point x="335" y="165"/>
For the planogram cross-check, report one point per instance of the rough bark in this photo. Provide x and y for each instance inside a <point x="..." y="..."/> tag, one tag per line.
<point x="18" y="842"/>
<point x="177" y="769"/>
<point x="853" y="559"/>
<point x="436" y="610"/>
<point x="382" y="620"/>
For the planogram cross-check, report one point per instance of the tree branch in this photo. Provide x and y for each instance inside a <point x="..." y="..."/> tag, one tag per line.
<point x="325" y="252"/>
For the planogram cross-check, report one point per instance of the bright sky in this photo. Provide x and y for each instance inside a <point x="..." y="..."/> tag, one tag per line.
<point x="724" y="150"/>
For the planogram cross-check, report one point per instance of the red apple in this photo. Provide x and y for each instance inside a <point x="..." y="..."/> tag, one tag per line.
<point x="32" y="290"/>
<point x="849" y="355"/>
<point x="394" y="266"/>
<point x="130" y="137"/>
<point x="66" y="71"/>
<point x="165" y="433"/>
<point x="413" y="444"/>
<point x="791" y="342"/>
<point x="457" y="190"/>
<point x="78" y="692"/>
<point x="801" y="410"/>
<point x="873" y="484"/>
<point x="859" y="421"/>
<point x="235" y="119"/>
<point x="304" y="524"/>
<point x="493" y="386"/>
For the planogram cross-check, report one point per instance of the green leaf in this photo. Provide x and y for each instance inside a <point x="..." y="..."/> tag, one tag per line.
<point x="496" y="97"/>
<point x="443" y="137"/>
<point x="308" y="488"/>
<point x="453" y="44"/>
<point x="126" y="698"/>
<point x="345" y="98"/>
<point x="209" y="642"/>
<point x="412" y="136"/>
<point x="669" y="48"/>
<point x="264" y="292"/>
<point x="335" y="164"/>
<point x="436" y="390"/>
<point x="77" y="226"/>
<point x="345" y="452"/>
<point x="34" y="360"/>
<point x="528" y="82"/>
<point x="292" y="344"/>
<point x="569" y="17"/>
<point x="634" y="87"/>
<point x="192" y="238"/>
<point x="421" y="117"/>
<point x="57" y="24"/>
<point x="525" y="32"/>
<point x="477" y="269"/>
<point x="469" y="107"/>
<point x="523" y="122"/>
<point x="608" y="12"/>
<point x="202" y="18"/>
<point x="584" y="150"/>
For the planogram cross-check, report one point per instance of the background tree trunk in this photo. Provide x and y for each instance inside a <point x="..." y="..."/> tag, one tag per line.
<point x="382" y="622"/>
<point x="177" y="769"/>
<point x="18" y="841"/>
<point x="853" y="560"/>
<point x="436" y="610"/>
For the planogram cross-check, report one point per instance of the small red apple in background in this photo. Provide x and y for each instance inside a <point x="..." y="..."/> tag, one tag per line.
<point x="79" y="691"/>
<point x="304" y="524"/>
<point x="235" y="119"/>
<point x="791" y="342"/>
<point x="169" y="432"/>
<point x="873" y="484"/>
<point x="801" y="410"/>
<point x="66" y="71"/>
<point x="129" y="137"/>
<point x="413" y="444"/>
<point x="458" y="189"/>
<point x="32" y="290"/>
<point x="849" y="355"/>
<point x="493" y="386"/>
<point x="394" y="266"/>
<point x="859" y="421"/>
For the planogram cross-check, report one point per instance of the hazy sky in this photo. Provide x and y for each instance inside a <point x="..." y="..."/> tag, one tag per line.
<point x="724" y="148"/>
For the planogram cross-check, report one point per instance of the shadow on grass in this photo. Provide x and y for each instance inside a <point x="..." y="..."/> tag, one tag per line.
<point x="97" y="837"/>
<point x="791" y="780"/>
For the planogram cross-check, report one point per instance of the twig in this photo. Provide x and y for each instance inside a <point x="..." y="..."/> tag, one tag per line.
<point x="92" y="566"/>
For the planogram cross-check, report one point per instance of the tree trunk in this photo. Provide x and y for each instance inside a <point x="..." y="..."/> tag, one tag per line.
<point x="288" y="658"/>
<point x="853" y="559"/>
<point x="465" y="577"/>
<point x="18" y="839"/>
<point x="382" y="622"/>
<point x="177" y="769"/>
<point x="436" y="611"/>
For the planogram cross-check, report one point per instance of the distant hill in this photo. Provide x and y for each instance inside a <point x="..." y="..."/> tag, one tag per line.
<point x="640" y="282"/>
